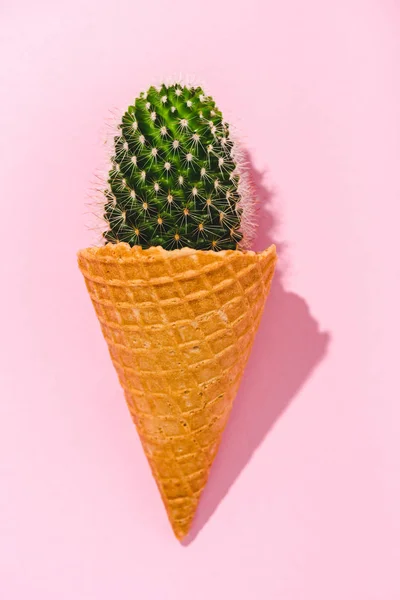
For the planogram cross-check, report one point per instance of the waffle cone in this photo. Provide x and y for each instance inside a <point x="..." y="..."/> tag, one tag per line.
<point x="179" y="327"/>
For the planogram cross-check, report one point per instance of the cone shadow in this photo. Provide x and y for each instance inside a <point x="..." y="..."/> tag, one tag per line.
<point x="288" y="347"/>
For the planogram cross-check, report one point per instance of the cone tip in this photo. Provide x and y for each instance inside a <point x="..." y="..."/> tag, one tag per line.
<point x="181" y="531"/>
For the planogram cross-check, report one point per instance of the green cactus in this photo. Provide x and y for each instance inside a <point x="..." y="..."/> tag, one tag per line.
<point x="174" y="180"/>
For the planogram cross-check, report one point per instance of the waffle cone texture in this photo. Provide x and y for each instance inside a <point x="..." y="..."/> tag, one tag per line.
<point x="179" y="326"/>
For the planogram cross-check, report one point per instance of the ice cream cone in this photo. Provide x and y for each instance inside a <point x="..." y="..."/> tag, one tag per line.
<point x="179" y="327"/>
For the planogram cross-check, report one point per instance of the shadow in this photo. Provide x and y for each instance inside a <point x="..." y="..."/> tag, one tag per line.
<point x="288" y="347"/>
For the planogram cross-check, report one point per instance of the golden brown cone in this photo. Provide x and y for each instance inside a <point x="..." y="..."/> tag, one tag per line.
<point x="179" y="326"/>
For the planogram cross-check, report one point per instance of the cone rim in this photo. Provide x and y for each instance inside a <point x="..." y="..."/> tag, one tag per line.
<point x="123" y="249"/>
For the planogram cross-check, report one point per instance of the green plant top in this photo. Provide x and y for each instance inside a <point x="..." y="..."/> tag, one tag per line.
<point x="174" y="181"/>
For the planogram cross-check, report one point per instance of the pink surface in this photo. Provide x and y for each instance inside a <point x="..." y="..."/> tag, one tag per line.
<point x="303" y="501"/>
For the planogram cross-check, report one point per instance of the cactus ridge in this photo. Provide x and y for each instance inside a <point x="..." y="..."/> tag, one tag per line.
<point x="174" y="181"/>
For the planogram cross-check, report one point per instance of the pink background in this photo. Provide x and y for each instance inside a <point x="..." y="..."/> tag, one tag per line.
<point x="303" y="501"/>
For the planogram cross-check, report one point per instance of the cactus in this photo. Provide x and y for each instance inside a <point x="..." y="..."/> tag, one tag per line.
<point x="174" y="180"/>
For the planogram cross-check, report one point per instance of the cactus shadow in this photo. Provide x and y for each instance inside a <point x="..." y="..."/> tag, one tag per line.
<point x="288" y="347"/>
